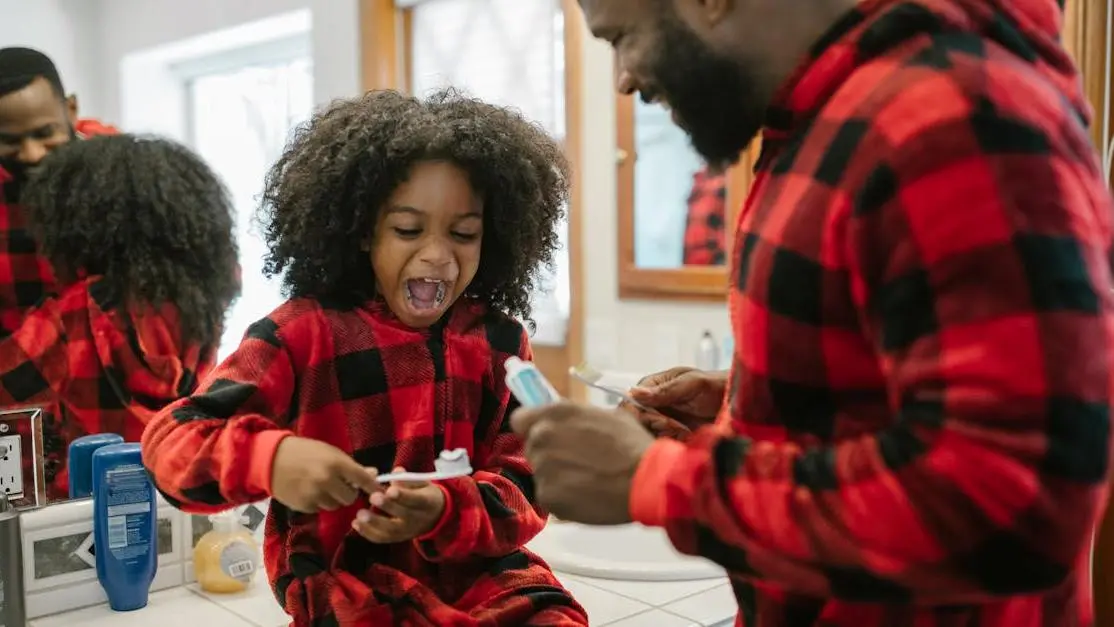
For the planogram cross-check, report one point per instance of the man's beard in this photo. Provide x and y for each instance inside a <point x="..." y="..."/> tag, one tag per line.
<point x="22" y="172"/>
<point x="712" y="97"/>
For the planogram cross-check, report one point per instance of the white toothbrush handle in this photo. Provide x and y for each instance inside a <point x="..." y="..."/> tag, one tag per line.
<point x="423" y="476"/>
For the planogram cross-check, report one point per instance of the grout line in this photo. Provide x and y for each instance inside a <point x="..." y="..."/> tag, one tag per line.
<point x="588" y="581"/>
<point x="639" y="613"/>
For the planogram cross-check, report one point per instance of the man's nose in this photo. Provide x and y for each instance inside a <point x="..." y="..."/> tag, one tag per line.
<point x="32" y="151"/>
<point x="624" y="82"/>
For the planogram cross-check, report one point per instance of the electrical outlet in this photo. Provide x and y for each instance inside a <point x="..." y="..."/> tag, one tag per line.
<point x="11" y="466"/>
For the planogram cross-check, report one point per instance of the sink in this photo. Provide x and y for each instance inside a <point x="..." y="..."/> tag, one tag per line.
<point x="629" y="552"/>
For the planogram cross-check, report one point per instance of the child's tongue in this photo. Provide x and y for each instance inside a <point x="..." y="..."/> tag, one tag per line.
<point x="423" y="293"/>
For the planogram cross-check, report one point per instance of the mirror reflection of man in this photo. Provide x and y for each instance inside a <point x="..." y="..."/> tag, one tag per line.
<point x="36" y="116"/>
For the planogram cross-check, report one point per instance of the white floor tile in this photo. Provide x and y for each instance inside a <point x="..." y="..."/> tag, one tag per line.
<point x="654" y="593"/>
<point x="177" y="607"/>
<point x="654" y="618"/>
<point x="603" y="607"/>
<point x="711" y="607"/>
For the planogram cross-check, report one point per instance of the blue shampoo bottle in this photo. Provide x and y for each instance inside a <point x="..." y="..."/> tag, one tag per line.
<point x="125" y="523"/>
<point x="80" y="461"/>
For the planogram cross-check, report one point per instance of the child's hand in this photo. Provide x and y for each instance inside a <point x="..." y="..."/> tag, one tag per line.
<point x="404" y="511"/>
<point x="310" y="475"/>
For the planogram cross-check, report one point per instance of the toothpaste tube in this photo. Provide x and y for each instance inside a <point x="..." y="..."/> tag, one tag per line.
<point x="528" y="384"/>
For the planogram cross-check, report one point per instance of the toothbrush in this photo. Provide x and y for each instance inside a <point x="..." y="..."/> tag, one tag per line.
<point x="589" y="376"/>
<point x="448" y="465"/>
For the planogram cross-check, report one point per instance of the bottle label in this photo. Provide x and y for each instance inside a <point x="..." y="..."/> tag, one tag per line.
<point x="129" y="497"/>
<point x="239" y="560"/>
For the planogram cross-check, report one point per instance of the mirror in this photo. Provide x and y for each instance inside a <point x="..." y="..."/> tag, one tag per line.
<point x="679" y="206"/>
<point x="676" y="217"/>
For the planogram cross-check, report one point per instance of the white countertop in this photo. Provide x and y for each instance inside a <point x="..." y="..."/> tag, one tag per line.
<point x="703" y="603"/>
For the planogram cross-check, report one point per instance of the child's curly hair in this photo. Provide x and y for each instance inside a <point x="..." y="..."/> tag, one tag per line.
<point x="323" y="195"/>
<point x="146" y="214"/>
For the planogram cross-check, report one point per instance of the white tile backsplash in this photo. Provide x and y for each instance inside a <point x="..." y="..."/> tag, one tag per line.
<point x="60" y="572"/>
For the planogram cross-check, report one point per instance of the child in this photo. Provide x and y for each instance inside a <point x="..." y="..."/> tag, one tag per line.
<point x="408" y="233"/>
<point x="140" y="236"/>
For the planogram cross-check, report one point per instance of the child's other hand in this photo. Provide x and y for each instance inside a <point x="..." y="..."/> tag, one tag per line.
<point x="310" y="475"/>
<point x="402" y="512"/>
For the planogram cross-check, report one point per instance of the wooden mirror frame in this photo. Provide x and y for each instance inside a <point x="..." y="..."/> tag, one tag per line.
<point x="686" y="283"/>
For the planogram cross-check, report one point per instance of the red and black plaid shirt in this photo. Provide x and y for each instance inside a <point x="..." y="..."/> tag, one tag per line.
<point x="705" y="236"/>
<point x="95" y="367"/>
<point x="25" y="275"/>
<point x="391" y="396"/>
<point x="917" y="430"/>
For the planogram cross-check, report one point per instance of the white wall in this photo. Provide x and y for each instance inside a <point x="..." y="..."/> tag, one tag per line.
<point x="129" y="26"/>
<point x="63" y="29"/>
<point x="89" y="39"/>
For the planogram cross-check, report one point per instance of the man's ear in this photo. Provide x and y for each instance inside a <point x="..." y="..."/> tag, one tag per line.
<point x="705" y="13"/>
<point x="71" y="108"/>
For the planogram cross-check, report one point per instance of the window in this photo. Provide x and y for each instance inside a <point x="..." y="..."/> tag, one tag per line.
<point x="510" y="53"/>
<point x="239" y="121"/>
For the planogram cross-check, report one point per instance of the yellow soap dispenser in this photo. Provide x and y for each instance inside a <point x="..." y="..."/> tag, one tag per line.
<point x="226" y="558"/>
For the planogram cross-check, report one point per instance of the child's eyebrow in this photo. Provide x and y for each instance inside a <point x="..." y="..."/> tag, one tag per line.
<point x="406" y="209"/>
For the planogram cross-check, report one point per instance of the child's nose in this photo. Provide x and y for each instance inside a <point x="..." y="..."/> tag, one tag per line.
<point x="436" y="254"/>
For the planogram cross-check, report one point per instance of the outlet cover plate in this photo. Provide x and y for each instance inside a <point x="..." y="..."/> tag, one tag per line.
<point x="11" y="466"/>
<point x="26" y="426"/>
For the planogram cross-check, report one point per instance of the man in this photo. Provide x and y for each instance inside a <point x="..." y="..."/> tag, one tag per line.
<point x="36" y="116"/>
<point x="916" y="425"/>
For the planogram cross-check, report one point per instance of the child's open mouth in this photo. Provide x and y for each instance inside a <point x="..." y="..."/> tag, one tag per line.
<point x="425" y="295"/>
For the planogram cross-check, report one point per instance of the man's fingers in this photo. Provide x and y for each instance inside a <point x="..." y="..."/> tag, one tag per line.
<point x="523" y="420"/>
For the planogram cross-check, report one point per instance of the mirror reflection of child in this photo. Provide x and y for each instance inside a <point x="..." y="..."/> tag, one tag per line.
<point x="705" y="236"/>
<point x="409" y="234"/>
<point x="138" y="232"/>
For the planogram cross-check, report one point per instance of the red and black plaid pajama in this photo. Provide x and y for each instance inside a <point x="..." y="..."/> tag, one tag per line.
<point x="705" y="235"/>
<point x="392" y="396"/>
<point x="917" y="428"/>
<point x="95" y="366"/>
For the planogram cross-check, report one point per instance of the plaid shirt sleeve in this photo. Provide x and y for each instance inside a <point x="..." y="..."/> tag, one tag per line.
<point x="33" y="360"/>
<point x="493" y="512"/>
<point x="215" y="450"/>
<point x="978" y="257"/>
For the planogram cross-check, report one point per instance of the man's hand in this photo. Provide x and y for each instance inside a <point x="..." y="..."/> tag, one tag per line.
<point x="402" y="512"/>
<point x="310" y="475"/>
<point x="681" y="400"/>
<point x="584" y="459"/>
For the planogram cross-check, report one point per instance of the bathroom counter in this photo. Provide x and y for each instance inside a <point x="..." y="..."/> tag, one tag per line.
<point x="707" y="603"/>
<point x="183" y="606"/>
